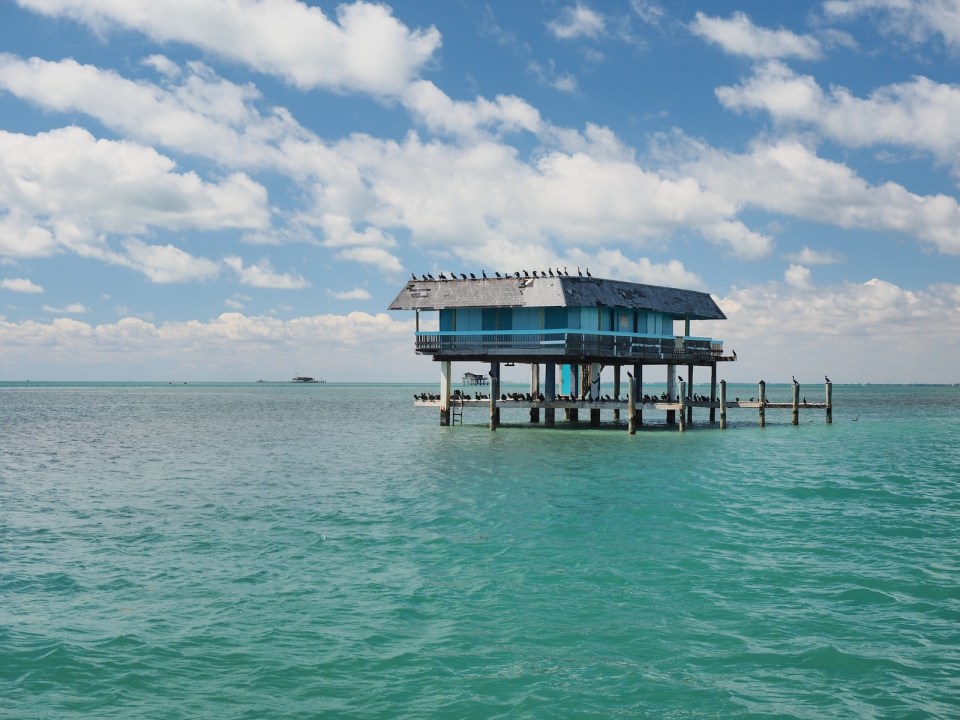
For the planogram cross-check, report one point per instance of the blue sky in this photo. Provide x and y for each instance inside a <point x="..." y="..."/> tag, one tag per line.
<point x="237" y="189"/>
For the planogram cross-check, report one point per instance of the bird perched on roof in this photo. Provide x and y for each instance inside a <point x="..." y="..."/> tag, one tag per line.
<point x="734" y="354"/>
<point x="588" y="273"/>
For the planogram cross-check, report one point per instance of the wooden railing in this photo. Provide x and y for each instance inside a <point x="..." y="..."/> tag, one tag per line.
<point x="568" y="342"/>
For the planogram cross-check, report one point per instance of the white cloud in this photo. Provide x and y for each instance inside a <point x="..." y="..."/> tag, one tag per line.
<point x="232" y="346"/>
<point x="917" y="20"/>
<point x="840" y="330"/>
<point x="67" y="176"/>
<point x="366" y="49"/>
<point x="20" y="285"/>
<point x="374" y="256"/>
<point x="441" y="114"/>
<point x="917" y="114"/>
<point x="165" y="263"/>
<point x="71" y="309"/>
<point x="787" y="177"/>
<point x="201" y="113"/>
<point x="577" y="21"/>
<point x="262" y="275"/>
<point x="355" y="294"/>
<point x="809" y="256"/>
<point x="798" y="276"/>
<point x="739" y="36"/>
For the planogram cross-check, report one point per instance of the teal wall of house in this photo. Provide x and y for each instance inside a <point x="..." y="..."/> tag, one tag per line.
<point x="537" y="319"/>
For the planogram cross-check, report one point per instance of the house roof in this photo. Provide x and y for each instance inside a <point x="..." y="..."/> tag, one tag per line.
<point x="562" y="291"/>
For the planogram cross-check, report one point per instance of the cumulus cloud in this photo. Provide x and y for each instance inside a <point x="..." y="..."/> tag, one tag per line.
<point x="262" y="275"/>
<point x="577" y="21"/>
<point x="71" y="309"/>
<point x="798" y="276"/>
<point x="355" y="294"/>
<point x="916" y="114"/>
<point x="917" y="20"/>
<point x="20" y="285"/>
<point x="194" y="111"/>
<point x="739" y="36"/>
<point x="809" y="256"/>
<point x="166" y="263"/>
<point x="232" y="346"/>
<point x="365" y="49"/>
<point x="787" y="177"/>
<point x="67" y="175"/>
<point x="841" y="328"/>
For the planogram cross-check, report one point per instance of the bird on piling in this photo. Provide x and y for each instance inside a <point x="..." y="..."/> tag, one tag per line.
<point x="629" y="374"/>
<point x="826" y="378"/>
<point x="679" y="378"/>
<point x="794" y="380"/>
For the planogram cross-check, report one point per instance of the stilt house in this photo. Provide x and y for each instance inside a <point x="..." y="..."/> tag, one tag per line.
<point x="572" y="326"/>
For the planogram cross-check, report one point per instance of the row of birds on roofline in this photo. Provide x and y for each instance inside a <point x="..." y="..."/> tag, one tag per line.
<point x="517" y="274"/>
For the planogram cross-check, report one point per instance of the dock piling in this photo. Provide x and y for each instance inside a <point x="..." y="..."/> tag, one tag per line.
<point x="829" y="402"/>
<point x="632" y="406"/>
<point x="795" y="419"/>
<point x="762" y="391"/>
<point x="723" y="404"/>
<point x="683" y="402"/>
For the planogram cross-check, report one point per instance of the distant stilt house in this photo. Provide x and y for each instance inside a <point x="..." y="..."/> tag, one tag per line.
<point x="572" y="327"/>
<point x="475" y="379"/>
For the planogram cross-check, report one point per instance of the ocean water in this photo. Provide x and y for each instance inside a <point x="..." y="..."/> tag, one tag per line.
<point x="330" y="551"/>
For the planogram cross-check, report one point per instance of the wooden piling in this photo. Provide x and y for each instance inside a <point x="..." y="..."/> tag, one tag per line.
<point x="550" y="414"/>
<point x="445" y="393"/>
<point x="795" y="419"/>
<point x="683" y="415"/>
<point x="632" y="406"/>
<point x="723" y="404"/>
<point x="534" y="390"/>
<point x="713" y="393"/>
<point x="690" y="390"/>
<point x="616" y="389"/>
<point x="494" y="395"/>
<point x="829" y="402"/>
<point x="762" y="390"/>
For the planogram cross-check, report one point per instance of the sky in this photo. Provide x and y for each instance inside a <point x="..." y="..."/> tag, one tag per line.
<point x="237" y="189"/>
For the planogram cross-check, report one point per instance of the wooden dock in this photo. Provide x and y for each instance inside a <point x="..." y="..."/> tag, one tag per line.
<point x="678" y="411"/>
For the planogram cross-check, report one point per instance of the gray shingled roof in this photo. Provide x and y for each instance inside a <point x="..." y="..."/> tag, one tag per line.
<point x="555" y="292"/>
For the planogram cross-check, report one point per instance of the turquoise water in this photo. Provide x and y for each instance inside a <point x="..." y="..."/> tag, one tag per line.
<point x="276" y="551"/>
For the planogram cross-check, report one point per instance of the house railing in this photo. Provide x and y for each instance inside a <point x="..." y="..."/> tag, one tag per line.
<point x="567" y="342"/>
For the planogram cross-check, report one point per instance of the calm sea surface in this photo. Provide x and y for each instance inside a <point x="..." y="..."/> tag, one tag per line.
<point x="280" y="551"/>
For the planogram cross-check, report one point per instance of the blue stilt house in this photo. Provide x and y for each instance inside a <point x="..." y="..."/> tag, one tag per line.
<point x="579" y="325"/>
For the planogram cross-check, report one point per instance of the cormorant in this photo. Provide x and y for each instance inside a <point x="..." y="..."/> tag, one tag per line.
<point x="565" y="271"/>
<point x="442" y="276"/>
<point x="679" y="378"/>
<point x="413" y="276"/>
<point x="463" y="275"/>
<point x="826" y="378"/>
<point x="550" y="270"/>
<point x="430" y="276"/>
<point x="484" y="273"/>
<point x="588" y="273"/>
<point x="497" y="274"/>
<point x="578" y="271"/>
<point x="794" y="380"/>
<point x="629" y="374"/>
<point x="526" y="274"/>
<point x="734" y="354"/>
<point x="474" y="277"/>
<point x="516" y="274"/>
<point x="535" y="273"/>
<point x="423" y="277"/>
